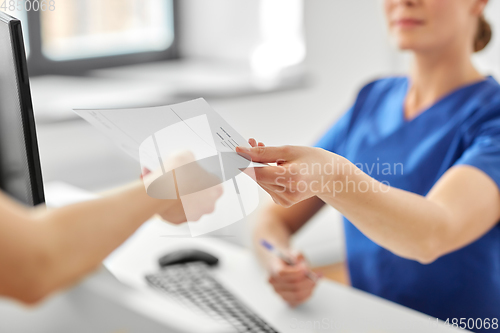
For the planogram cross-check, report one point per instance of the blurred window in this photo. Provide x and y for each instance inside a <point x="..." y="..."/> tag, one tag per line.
<point x="93" y="28"/>
<point x="74" y="36"/>
<point x="282" y="31"/>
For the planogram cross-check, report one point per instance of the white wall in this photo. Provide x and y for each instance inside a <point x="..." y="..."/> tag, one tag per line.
<point x="218" y="29"/>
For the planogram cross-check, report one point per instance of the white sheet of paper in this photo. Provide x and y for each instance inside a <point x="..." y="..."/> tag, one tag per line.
<point x="129" y="128"/>
<point x="151" y="134"/>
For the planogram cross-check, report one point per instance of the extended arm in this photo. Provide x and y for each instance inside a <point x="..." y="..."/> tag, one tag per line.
<point x="462" y="206"/>
<point x="42" y="251"/>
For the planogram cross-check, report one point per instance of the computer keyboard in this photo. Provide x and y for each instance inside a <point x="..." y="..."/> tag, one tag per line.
<point x="193" y="285"/>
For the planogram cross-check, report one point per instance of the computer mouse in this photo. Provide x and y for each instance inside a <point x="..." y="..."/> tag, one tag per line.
<point x="187" y="255"/>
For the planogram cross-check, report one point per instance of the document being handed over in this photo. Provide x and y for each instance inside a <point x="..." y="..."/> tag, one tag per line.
<point x="151" y="135"/>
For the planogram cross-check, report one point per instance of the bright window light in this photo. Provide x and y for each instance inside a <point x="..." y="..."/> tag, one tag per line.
<point x="281" y="25"/>
<point x="95" y="28"/>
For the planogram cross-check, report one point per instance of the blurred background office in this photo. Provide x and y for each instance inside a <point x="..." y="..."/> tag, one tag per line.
<point x="278" y="70"/>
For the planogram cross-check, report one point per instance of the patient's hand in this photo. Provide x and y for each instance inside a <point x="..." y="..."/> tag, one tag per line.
<point x="204" y="204"/>
<point x="291" y="282"/>
<point x="206" y="189"/>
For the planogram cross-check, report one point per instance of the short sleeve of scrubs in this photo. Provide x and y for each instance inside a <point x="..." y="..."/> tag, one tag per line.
<point x="484" y="152"/>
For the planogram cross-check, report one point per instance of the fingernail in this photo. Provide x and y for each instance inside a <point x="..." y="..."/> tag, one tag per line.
<point x="244" y="149"/>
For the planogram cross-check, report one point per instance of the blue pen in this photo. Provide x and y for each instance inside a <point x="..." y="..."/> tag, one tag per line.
<point x="313" y="276"/>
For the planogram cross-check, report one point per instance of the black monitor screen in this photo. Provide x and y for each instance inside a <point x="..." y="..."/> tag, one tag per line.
<point x="20" y="173"/>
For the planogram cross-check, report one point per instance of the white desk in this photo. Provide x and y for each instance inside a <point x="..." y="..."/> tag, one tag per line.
<point x="335" y="308"/>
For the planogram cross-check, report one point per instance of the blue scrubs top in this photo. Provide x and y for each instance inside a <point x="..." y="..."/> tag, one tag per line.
<point x="463" y="128"/>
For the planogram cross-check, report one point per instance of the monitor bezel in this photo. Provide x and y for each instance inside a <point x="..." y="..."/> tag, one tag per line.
<point x="26" y="106"/>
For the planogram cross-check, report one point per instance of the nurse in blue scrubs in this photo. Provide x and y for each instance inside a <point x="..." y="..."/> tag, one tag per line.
<point x="414" y="168"/>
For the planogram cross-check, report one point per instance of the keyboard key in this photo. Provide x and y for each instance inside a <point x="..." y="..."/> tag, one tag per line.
<point x="193" y="285"/>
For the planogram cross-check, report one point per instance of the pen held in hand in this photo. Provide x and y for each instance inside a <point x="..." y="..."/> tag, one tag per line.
<point x="290" y="261"/>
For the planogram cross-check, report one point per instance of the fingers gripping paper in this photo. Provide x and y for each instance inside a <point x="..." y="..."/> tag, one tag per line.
<point x="192" y="148"/>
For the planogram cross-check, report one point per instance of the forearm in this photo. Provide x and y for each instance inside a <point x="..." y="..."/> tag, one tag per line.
<point x="461" y="206"/>
<point x="405" y="223"/>
<point x="78" y="237"/>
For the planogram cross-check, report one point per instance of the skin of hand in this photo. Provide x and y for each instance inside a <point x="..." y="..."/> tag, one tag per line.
<point x="298" y="174"/>
<point x="291" y="282"/>
<point x="207" y="200"/>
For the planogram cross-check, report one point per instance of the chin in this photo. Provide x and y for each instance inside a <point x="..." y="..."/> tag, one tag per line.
<point x="406" y="47"/>
<point x="410" y="44"/>
<point x="417" y="47"/>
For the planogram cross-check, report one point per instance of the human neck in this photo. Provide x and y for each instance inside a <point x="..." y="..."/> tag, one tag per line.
<point x="434" y="75"/>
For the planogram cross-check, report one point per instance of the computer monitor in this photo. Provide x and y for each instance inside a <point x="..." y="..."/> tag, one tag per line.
<point x="20" y="170"/>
